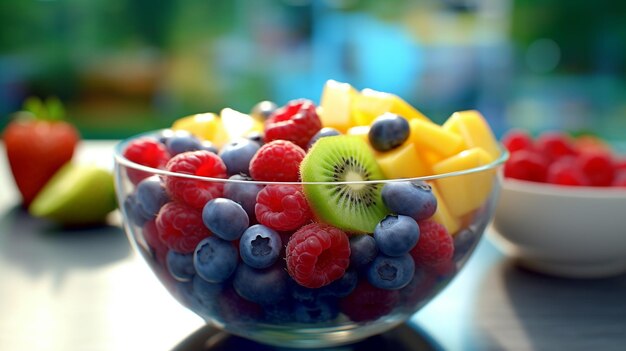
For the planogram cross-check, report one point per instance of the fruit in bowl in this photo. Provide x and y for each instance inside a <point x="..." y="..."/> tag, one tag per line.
<point x="561" y="205"/>
<point x="283" y="230"/>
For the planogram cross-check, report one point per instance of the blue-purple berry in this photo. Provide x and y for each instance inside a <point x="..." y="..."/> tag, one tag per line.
<point x="388" y="131"/>
<point x="391" y="273"/>
<point x="237" y="155"/>
<point x="316" y="311"/>
<point x="225" y="218"/>
<point x="410" y="198"/>
<point x="243" y="191"/>
<point x="396" y="235"/>
<point x="133" y="213"/>
<point x="363" y="250"/>
<point x="151" y="196"/>
<point x="343" y="286"/>
<point x="180" y="265"/>
<point x="324" y="132"/>
<point x="215" y="259"/>
<point x="260" y="246"/>
<point x="182" y="141"/>
<point x="265" y="286"/>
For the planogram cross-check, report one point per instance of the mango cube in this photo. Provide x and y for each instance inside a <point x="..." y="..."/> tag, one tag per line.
<point x="402" y="162"/>
<point x="432" y="137"/>
<point x="464" y="193"/>
<point x="369" y="104"/>
<point x="206" y="126"/>
<point x="475" y="131"/>
<point x="335" y="108"/>
<point x="443" y="215"/>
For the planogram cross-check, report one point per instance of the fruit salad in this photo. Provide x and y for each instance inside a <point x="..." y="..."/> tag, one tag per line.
<point x="310" y="214"/>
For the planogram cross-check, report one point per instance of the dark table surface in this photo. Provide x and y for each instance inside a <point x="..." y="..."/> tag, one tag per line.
<point x="87" y="290"/>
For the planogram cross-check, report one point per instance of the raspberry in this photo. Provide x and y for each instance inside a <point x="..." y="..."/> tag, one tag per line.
<point x="526" y="165"/>
<point x="597" y="165"/>
<point x="620" y="178"/>
<point x="297" y="122"/>
<point x="194" y="192"/>
<point x="517" y="139"/>
<point x="317" y="254"/>
<point x="555" y="145"/>
<point x="180" y="227"/>
<point x="565" y="171"/>
<point x="367" y="303"/>
<point x="282" y="207"/>
<point x="435" y="245"/>
<point x="147" y="152"/>
<point x="277" y="161"/>
<point x="152" y="239"/>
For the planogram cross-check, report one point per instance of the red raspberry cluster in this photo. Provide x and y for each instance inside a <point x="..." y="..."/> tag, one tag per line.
<point x="558" y="158"/>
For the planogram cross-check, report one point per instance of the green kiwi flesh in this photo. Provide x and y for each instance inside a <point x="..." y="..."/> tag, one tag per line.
<point x="355" y="207"/>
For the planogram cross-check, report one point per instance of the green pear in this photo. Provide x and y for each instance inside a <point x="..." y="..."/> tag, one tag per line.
<point x="76" y="195"/>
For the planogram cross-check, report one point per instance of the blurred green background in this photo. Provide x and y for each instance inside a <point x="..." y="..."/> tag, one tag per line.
<point x="124" y="66"/>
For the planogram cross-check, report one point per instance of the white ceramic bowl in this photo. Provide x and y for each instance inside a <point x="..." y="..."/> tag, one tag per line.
<point x="562" y="230"/>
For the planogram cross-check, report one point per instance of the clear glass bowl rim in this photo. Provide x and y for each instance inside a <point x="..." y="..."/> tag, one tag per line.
<point x="121" y="160"/>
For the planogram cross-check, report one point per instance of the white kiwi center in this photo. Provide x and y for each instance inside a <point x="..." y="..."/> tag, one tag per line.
<point x="352" y="176"/>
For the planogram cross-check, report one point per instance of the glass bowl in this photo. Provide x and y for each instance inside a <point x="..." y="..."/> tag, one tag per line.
<point x="372" y="293"/>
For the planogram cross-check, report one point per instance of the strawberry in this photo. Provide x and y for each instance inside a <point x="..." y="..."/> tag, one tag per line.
<point x="37" y="144"/>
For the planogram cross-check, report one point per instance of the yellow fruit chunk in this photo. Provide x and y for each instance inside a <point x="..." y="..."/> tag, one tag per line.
<point x="472" y="126"/>
<point x="238" y="124"/>
<point x="402" y="162"/>
<point x="464" y="193"/>
<point x="360" y="131"/>
<point x="206" y="126"/>
<point x="335" y="108"/>
<point x="430" y="136"/>
<point x="443" y="215"/>
<point x="369" y="104"/>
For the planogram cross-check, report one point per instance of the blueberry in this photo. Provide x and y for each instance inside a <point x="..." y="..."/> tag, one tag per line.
<point x="205" y="296"/>
<point x="180" y="265"/>
<point x="396" y="235"/>
<point x="343" y="286"/>
<point x="208" y="146"/>
<point x="134" y="215"/>
<point x="324" y="132"/>
<point x="363" y="250"/>
<point x="388" y="131"/>
<point x="256" y="137"/>
<point x="151" y="196"/>
<point x="260" y="246"/>
<point x="265" y="286"/>
<point x="215" y="259"/>
<point x="391" y="272"/>
<point x="410" y="198"/>
<point x="182" y="141"/>
<point x="225" y="218"/>
<point x="243" y="192"/>
<point x="237" y="155"/>
<point x="263" y="110"/>
<point x="319" y="310"/>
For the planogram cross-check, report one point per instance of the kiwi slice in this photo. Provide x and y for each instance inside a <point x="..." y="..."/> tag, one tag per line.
<point x="355" y="207"/>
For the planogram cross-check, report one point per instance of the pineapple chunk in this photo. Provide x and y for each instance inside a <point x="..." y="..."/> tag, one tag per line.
<point x="464" y="193"/>
<point x="475" y="131"/>
<point x="369" y="104"/>
<point x="335" y="108"/>
<point x="206" y="126"/>
<point x="443" y="215"/>
<point x="402" y="162"/>
<point x="432" y="137"/>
